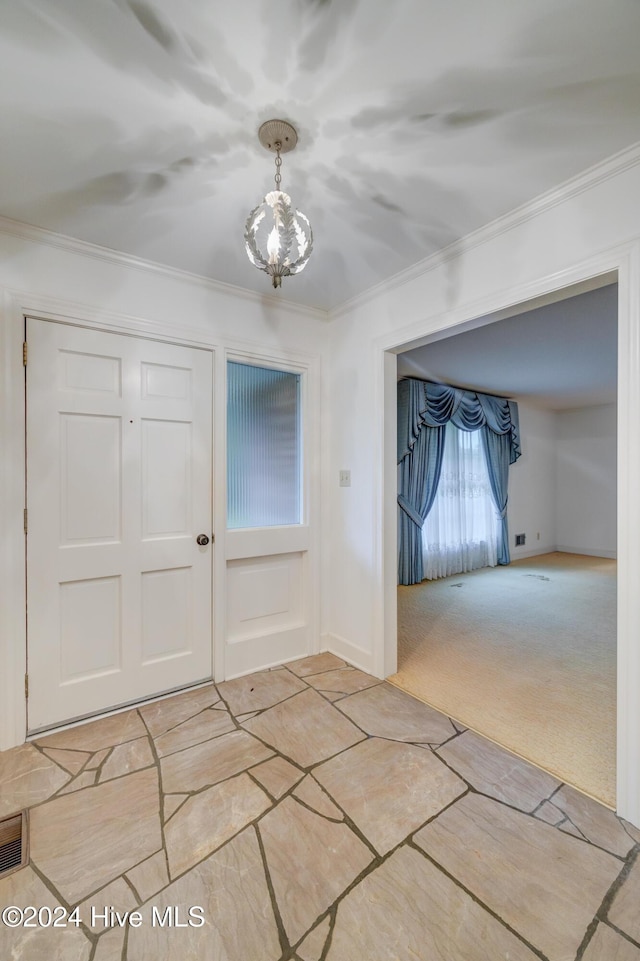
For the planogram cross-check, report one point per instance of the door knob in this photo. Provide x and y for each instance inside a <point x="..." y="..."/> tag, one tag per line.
<point x="202" y="540"/>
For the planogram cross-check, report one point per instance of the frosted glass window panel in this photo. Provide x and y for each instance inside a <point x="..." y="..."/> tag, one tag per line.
<point x="263" y="447"/>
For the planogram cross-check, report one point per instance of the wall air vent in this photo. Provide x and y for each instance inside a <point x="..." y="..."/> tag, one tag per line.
<point x="13" y="843"/>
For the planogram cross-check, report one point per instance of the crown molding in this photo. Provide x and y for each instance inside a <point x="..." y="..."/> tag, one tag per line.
<point x="41" y="235"/>
<point x="605" y="170"/>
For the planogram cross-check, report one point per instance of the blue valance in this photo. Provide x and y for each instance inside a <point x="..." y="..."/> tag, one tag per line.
<point x="421" y="402"/>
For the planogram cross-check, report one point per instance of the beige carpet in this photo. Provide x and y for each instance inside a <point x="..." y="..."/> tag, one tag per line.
<point x="524" y="654"/>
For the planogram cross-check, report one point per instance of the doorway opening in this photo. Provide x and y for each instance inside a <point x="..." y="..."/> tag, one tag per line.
<point x="525" y="654"/>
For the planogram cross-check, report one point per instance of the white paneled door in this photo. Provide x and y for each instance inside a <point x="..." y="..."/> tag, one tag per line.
<point x="119" y="441"/>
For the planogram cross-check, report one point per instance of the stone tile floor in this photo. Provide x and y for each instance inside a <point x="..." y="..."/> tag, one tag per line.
<point x="309" y="813"/>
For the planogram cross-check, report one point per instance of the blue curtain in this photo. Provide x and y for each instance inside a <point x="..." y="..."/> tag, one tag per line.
<point x="419" y="477"/>
<point x="496" y="449"/>
<point x="424" y="408"/>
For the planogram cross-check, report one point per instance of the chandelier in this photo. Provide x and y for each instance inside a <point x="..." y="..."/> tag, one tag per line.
<point x="278" y="237"/>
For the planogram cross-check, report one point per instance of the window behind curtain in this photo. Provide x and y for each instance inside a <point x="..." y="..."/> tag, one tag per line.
<point x="461" y="531"/>
<point x="263" y="447"/>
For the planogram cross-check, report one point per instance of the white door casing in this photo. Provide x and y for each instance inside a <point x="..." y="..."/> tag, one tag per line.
<point x="119" y="485"/>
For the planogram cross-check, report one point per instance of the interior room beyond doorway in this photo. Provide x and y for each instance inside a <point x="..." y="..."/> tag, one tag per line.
<point x="533" y="644"/>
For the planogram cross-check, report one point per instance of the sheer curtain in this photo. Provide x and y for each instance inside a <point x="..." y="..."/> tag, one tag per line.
<point x="461" y="531"/>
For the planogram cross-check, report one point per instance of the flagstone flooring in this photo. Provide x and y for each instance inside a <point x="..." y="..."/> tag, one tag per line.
<point x="308" y="813"/>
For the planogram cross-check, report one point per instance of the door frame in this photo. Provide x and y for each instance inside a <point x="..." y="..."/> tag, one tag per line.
<point x="623" y="261"/>
<point x="15" y="305"/>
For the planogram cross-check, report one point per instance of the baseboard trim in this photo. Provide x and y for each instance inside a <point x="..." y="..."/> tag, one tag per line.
<point x="612" y="555"/>
<point x="341" y="647"/>
<point x="536" y="552"/>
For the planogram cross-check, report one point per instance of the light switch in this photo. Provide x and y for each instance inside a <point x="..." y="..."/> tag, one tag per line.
<point x="345" y="478"/>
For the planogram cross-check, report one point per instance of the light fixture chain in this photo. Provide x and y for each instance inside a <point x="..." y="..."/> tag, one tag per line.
<point x="278" y="147"/>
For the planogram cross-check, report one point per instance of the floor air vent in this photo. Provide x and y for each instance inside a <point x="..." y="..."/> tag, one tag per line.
<point x="13" y="843"/>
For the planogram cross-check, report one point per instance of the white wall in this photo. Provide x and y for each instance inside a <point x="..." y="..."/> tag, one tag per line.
<point x="45" y="275"/>
<point x="587" y="480"/>
<point x="543" y="247"/>
<point x="532" y="484"/>
<point x="564" y="486"/>
<point x="587" y="228"/>
<point x="89" y="279"/>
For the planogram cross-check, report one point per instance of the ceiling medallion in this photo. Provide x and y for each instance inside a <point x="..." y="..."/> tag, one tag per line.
<point x="278" y="237"/>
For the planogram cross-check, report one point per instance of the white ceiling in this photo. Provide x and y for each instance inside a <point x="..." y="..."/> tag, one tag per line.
<point x="133" y="123"/>
<point x="560" y="356"/>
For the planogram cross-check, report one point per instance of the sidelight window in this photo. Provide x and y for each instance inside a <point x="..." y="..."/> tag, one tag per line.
<point x="264" y="447"/>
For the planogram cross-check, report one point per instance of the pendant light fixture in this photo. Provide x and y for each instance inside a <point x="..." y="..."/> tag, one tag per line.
<point x="278" y="237"/>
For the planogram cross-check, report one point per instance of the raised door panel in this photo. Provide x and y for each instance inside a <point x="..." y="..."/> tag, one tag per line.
<point x="167" y="614"/>
<point x="90" y="479"/>
<point x="166" y="479"/>
<point x="90" y="628"/>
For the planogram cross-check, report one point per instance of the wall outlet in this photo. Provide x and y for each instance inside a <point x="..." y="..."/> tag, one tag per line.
<point x="345" y="478"/>
<point x="520" y="540"/>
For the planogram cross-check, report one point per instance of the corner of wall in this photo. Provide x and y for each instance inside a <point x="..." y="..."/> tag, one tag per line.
<point x="356" y="656"/>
